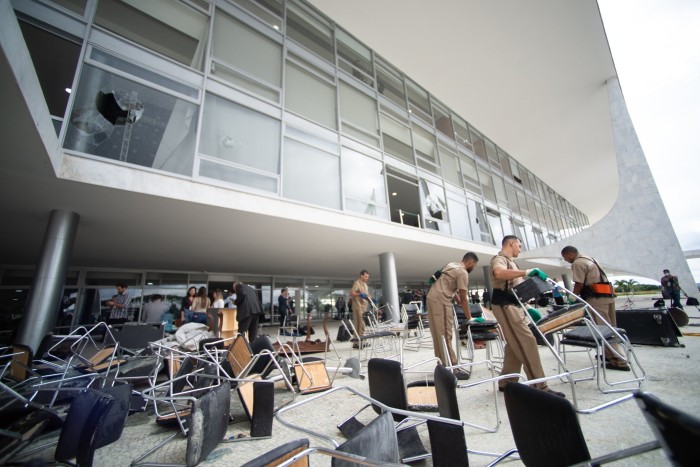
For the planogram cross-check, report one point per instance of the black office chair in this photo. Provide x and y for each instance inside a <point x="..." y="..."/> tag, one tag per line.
<point x="547" y="432"/>
<point x="678" y="432"/>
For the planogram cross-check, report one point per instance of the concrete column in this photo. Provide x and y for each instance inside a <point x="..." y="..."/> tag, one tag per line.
<point x="487" y="280"/>
<point x="387" y="271"/>
<point x="40" y="312"/>
<point x="567" y="282"/>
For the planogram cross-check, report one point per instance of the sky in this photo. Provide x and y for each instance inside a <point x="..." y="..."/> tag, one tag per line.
<point x="656" y="48"/>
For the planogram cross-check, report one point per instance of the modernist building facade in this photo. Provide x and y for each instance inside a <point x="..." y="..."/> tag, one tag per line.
<point x="173" y="143"/>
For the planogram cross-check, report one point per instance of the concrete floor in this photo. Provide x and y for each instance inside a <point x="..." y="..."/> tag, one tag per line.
<point x="673" y="374"/>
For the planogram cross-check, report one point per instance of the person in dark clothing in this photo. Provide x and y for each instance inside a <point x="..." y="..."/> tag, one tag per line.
<point x="283" y="306"/>
<point x="249" y="310"/>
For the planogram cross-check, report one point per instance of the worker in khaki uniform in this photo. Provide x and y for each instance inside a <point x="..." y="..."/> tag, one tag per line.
<point x="521" y="350"/>
<point x="359" y="297"/>
<point x="592" y="285"/>
<point x="452" y="284"/>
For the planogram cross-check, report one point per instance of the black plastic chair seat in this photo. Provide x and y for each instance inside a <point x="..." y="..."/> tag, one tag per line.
<point x="583" y="337"/>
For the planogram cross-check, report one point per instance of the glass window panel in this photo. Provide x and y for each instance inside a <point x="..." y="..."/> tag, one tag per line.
<point x="425" y="144"/>
<point x="450" y="165"/>
<point x="487" y="185"/>
<point x="479" y="144"/>
<point x="236" y="175"/>
<point x="418" y="102"/>
<point x="310" y="96"/>
<point x="434" y="206"/>
<point x="363" y="184"/>
<point x="76" y="6"/>
<point x="264" y="10"/>
<point x="505" y="165"/>
<point x="171" y="28"/>
<point x="309" y="31"/>
<point x="405" y="203"/>
<point x="390" y="85"/>
<point x="532" y="209"/>
<point x="469" y="176"/>
<point x="118" y="119"/>
<point x="462" y="132"/>
<point x="480" y="227"/>
<point x="491" y="151"/>
<point x="237" y="134"/>
<point x="530" y="237"/>
<point x="500" y="189"/>
<point x="494" y="220"/>
<point x="443" y="123"/>
<point x="459" y="219"/>
<point x="245" y="49"/>
<point x="397" y="139"/>
<point x="520" y="233"/>
<point x="55" y="60"/>
<point x="311" y="175"/>
<point x="524" y="209"/>
<point x="358" y="110"/>
<point x="131" y="68"/>
<point x="512" y="200"/>
<point x="355" y="58"/>
<point x="515" y="170"/>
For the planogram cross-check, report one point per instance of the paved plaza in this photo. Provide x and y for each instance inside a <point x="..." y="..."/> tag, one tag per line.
<point x="673" y="374"/>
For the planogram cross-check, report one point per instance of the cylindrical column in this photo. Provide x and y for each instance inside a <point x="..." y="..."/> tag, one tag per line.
<point x="40" y="312"/>
<point x="567" y="282"/>
<point x="387" y="271"/>
<point x="487" y="279"/>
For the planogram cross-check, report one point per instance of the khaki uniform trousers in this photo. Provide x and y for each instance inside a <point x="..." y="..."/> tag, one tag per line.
<point x="357" y="318"/>
<point x="521" y="346"/>
<point x="606" y="308"/>
<point x="442" y="325"/>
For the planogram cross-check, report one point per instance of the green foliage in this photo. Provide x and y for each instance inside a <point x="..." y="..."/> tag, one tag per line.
<point x="632" y="286"/>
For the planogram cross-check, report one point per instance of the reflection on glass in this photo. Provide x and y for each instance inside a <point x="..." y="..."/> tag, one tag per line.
<point x="118" y="119"/>
<point x="459" y="219"/>
<point x="363" y="184"/>
<point x="358" y="112"/>
<point x="418" y="102"/>
<point x="354" y="57"/>
<point x="494" y="220"/>
<point x="450" y="166"/>
<point x="434" y="206"/>
<point x="310" y="96"/>
<point x="309" y="31"/>
<point x="390" y="85"/>
<point x="311" y="175"/>
<point x="238" y="134"/>
<point x="480" y="227"/>
<point x="173" y="29"/>
<point x="397" y="139"/>
<point x="246" y="53"/>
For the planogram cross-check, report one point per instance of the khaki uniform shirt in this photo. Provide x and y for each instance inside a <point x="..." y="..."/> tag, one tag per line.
<point x="502" y="261"/>
<point x="358" y="303"/>
<point x="454" y="277"/>
<point x="585" y="271"/>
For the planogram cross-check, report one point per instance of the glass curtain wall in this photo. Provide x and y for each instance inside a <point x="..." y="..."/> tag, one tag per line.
<point x="279" y="89"/>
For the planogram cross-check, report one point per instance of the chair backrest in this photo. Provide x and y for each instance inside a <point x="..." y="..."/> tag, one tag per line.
<point x="239" y="355"/>
<point x="208" y="422"/>
<point x="113" y="425"/>
<point x="263" y="364"/>
<point x="376" y="441"/>
<point x="186" y="367"/>
<point x="386" y="384"/>
<point x="545" y="427"/>
<point x="138" y="336"/>
<point x="677" y="432"/>
<point x="446" y="392"/>
<point x="448" y="444"/>
<point x="82" y="427"/>
<point x="21" y="360"/>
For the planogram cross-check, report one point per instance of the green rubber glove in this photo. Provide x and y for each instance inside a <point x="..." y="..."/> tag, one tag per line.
<point x="572" y="300"/>
<point x="537" y="272"/>
<point x="477" y="320"/>
<point x="534" y="314"/>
